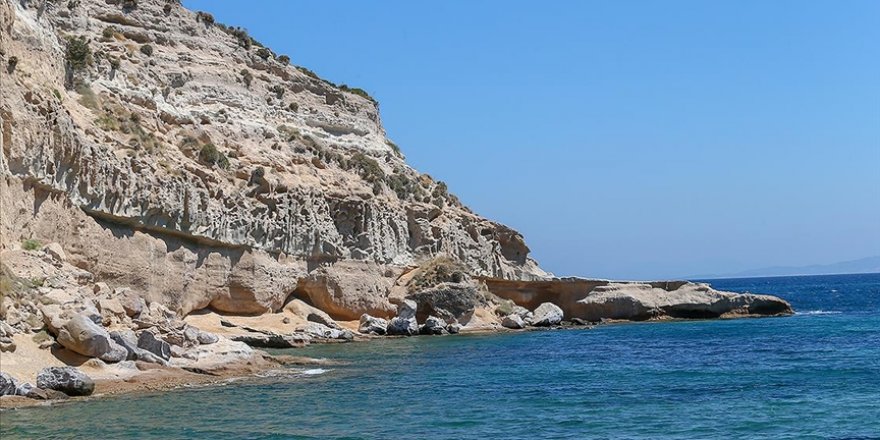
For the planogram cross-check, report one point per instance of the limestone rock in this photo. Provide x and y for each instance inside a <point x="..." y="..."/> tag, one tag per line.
<point x="8" y="385"/>
<point x="68" y="380"/>
<point x="320" y="331"/>
<point x="263" y="340"/>
<point x="55" y="251"/>
<point x="153" y="344"/>
<point x="207" y="338"/>
<point x="547" y="314"/>
<point x="372" y="325"/>
<point x="513" y="321"/>
<point x="399" y="326"/>
<point x="433" y="326"/>
<point x="453" y="328"/>
<point x="131" y="303"/>
<point x="448" y="301"/>
<point x="83" y="336"/>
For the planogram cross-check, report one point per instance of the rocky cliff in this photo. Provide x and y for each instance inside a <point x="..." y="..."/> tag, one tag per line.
<point x="175" y="155"/>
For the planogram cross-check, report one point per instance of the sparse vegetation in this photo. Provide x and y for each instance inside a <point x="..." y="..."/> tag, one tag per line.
<point x="367" y="167"/>
<point x="109" y="33"/>
<point x="356" y="91"/>
<point x="294" y="107"/>
<point x="264" y="53"/>
<point x="11" y="63"/>
<point x="442" y="269"/>
<point x="394" y="147"/>
<point x="240" y="34"/>
<point x="78" y="54"/>
<point x="210" y="155"/>
<point x="114" y="63"/>
<point x="57" y="94"/>
<point x="283" y="59"/>
<point x="246" y="77"/>
<point x="147" y="50"/>
<point x="205" y="18"/>
<point x="307" y="72"/>
<point x="278" y="90"/>
<point x="129" y="4"/>
<point x="87" y="98"/>
<point x="31" y="244"/>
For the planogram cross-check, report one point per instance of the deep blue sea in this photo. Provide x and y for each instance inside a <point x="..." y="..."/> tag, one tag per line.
<point x="812" y="375"/>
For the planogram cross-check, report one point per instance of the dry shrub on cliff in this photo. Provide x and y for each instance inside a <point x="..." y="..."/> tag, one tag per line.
<point x="78" y="54"/>
<point x="442" y="269"/>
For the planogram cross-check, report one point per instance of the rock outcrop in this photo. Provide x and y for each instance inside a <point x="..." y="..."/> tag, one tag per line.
<point x="68" y="380"/>
<point x="595" y="300"/>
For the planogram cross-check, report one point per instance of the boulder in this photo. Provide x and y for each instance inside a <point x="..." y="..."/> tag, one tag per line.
<point x="372" y="325"/>
<point x="111" y="308"/>
<point x="453" y="328"/>
<point x="7" y="344"/>
<point x="32" y="392"/>
<point x="404" y="323"/>
<point x="191" y="334"/>
<point x="433" y="326"/>
<point x="348" y="289"/>
<point x="68" y="380"/>
<point x="402" y="327"/>
<point x="513" y="321"/>
<point x="151" y="343"/>
<point x="131" y="303"/>
<point x="55" y="251"/>
<point x="206" y="338"/>
<point x="448" y="301"/>
<point x="321" y="331"/>
<point x="547" y="314"/>
<point x="8" y="385"/>
<point x="264" y="340"/>
<point x="53" y="317"/>
<point x="83" y="336"/>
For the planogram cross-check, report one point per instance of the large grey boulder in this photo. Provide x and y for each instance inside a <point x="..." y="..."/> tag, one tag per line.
<point x="547" y="314"/>
<point x="448" y="301"/>
<point x="8" y="385"/>
<point x="404" y="324"/>
<point x="321" y="331"/>
<point x="513" y="321"/>
<point x="68" y="380"/>
<point x="151" y="343"/>
<point x="433" y="326"/>
<point x="372" y="325"/>
<point x="129" y="340"/>
<point x="81" y="335"/>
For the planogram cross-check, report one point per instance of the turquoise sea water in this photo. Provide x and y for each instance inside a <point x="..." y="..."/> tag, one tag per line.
<point x="813" y="375"/>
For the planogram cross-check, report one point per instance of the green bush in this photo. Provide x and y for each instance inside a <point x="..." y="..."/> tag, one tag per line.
<point x="147" y="50"/>
<point x="209" y="154"/>
<point x="205" y="17"/>
<point x="356" y="91"/>
<point x="11" y="63"/>
<point x="294" y="107"/>
<point x="31" y="244"/>
<point x="307" y="72"/>
<point x="109" y="32"/>
<point x="247" y="77"/>
<point x="283" y="59"/>
<point x="367" y="168"/>
<point x="78" y="54"/>
<point x="264" y="53"/>
<point x="394" y="147"/>
<point x="278" y="90"/>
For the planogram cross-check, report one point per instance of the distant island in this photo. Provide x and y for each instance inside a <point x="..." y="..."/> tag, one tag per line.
<point x="862" y="265"/>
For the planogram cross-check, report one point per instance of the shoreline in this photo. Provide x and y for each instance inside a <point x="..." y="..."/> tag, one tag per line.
<point x="157" y="379"/>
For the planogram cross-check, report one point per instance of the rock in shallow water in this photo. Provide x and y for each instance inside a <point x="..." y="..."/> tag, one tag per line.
<point x="68" y="380"/>
<point x="433" y="326"/>
<point x="547" y="314"/>
<point x="372" y="326"/>
<point x="513" y="321"/>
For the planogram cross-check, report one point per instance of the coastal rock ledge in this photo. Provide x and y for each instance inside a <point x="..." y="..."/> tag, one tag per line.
<point x="597" y="300"/>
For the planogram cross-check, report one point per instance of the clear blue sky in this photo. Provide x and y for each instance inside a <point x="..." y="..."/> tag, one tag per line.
<point x="633" y="139"/>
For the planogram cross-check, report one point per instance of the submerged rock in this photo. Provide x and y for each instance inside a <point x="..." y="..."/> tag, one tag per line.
<point x="68" y="380"/>
<point x="547" y="314"/>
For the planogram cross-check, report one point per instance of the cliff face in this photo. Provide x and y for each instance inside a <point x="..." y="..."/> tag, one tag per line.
<point x="173" y="154"/>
